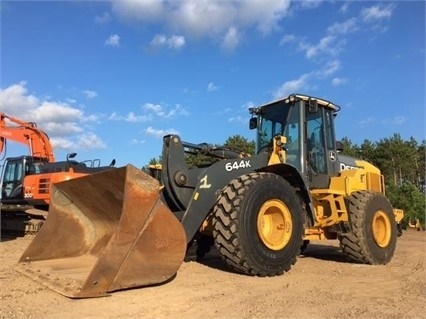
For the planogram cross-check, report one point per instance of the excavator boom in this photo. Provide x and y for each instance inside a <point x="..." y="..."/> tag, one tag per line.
<point x="25" y="133"/>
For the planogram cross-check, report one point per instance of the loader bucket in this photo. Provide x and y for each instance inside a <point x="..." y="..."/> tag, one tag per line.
<point x="105" y="232"/>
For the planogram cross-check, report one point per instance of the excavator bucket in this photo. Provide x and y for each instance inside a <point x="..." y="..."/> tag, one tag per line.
<point x="105" y="232"/>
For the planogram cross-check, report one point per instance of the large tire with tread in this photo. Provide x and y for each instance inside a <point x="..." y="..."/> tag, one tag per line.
<point x="258" y="224"/>
<point x="374" y="232"/>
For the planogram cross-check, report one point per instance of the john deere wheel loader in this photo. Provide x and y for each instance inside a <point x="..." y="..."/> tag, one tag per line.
<point x="123" y="229"/>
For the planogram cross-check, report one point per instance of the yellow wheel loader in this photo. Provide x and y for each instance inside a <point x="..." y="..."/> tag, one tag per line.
<point x="122" y="228"/>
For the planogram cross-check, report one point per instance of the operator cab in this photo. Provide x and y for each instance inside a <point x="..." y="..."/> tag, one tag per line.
<point x="308" y="126"/>
<point x="14" y="172"/>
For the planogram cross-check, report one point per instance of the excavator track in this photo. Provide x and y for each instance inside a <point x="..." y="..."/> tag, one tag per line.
<point x="20" y="223"/>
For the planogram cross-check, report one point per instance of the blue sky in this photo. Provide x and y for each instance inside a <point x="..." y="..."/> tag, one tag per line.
<point x="107" y="79"/>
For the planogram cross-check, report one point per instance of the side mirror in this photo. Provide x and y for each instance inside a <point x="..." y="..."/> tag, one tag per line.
<point x="71" y="155"/>
<point x="339" y="146"/>
<point x="253" y="123"/>
<point x="313" y="106"/>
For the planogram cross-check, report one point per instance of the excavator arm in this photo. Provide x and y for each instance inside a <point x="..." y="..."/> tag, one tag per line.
<point x="26" y="133"/>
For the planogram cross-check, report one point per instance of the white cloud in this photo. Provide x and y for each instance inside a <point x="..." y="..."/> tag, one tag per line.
<point x="113" y="40"/>
<point x="325" y="45"/>
<point x="288" y="38"/>
<point x="63" y="143"/>
<point x="330" y="68"/>
<point x="367" y="121"/>
<point x="55" y="112"/>
<point x="130" y="117"/>
<point x="151" y="112"/>
<point x="104" y="18"/>
<point x="248" y="105"/>
<point x="16" y="100"/>
<point x="159" y="133"/>
<point x="134" y="141"/>
<point x="177" y="110"/>
<point x="310" y="4"/>
<point x="138" y="10"/>
<point x="332" y="43"/>
<point x="91" y="141"/>
<point x="156" y="108"/>
<point x="239" y="119"/>
<point x="215" y="19"/>
<point x="115" y="117"/>
<point x="159" y="40"/>
<point x="133" y="118"/>
<point x="377" y="16"/>
<point x="268" y="14"/>
<point x="293" y="86"/>
<point x="212" y="87"/>
<point x="62" y="122"/>
<point x="231" y="39"/>
<point x="349" y="26"/>
<point x="90" y="94"/>
<point x="93" y="118"/>
<point x="397" y="120"/>
<point x="377" y="12"/>
<point x="175" y="42"/>
<point x="163" y="112"/>
<point x="302" y="83"/>
<point x="345" y="7"/>
<point x="63" y="129"/>
<point x="338" y="81"/>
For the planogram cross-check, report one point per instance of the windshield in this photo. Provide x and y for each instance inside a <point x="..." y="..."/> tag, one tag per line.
<point x="281" y="119"/>
<point x="273" y="120"/>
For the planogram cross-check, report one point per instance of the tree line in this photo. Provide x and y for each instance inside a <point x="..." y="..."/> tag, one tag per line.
<point x="401" y="162"/>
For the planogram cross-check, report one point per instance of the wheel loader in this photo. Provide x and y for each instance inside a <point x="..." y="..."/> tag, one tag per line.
<point x="123" y="229"/>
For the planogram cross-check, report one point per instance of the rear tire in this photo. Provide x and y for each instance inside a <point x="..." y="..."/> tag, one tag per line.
<point x="258" y="224"/>
<point x="373" y="236"/>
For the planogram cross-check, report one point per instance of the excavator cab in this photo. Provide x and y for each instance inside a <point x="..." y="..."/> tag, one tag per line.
<point x="14" y="172"/>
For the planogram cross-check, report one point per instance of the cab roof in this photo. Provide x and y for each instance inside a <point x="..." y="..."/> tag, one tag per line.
<point x="303" y="97"/>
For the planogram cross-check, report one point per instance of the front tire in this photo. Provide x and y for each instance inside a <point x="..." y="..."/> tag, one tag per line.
<point x="374" y="232"/>
<point x="258" y="224"/>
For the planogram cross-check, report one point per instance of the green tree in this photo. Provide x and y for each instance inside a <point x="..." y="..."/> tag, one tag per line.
<point x="349" y="149"/>
<point x="420" y="165"/>
<point x="154" y="161"/>
<point x="368" y="151"/>
<point x="236" y="143"/>
<point x="408" y="197"/>
<point x="396" y="158"/>
<point x="240" y="144"/>
<point x="199" y="159"/>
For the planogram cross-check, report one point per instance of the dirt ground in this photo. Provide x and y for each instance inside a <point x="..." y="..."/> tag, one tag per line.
<point x="320" y="285"/>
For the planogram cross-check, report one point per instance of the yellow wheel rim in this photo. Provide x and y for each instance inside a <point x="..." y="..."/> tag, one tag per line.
<point x="381" y="228"/>
<point x="274" y="224"/>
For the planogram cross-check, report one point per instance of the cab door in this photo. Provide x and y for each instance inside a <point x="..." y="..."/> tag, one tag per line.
<point x="321" y="155"/>
<point x="13" y="176"/>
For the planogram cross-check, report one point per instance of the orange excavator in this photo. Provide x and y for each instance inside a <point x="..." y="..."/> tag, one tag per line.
<point x="27" y="180"/>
